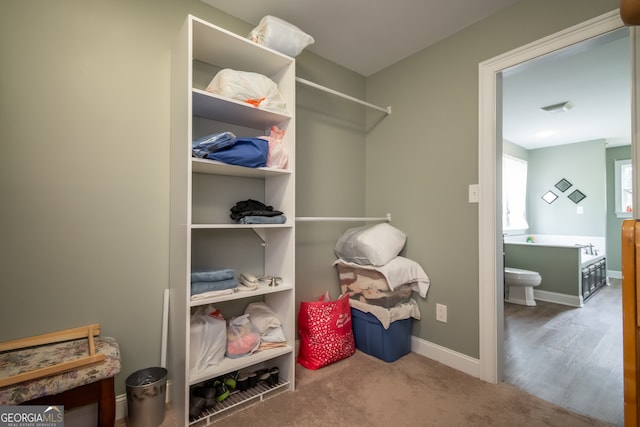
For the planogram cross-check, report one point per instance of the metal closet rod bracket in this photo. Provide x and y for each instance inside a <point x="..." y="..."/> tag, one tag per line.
<point x="262" y="235"/>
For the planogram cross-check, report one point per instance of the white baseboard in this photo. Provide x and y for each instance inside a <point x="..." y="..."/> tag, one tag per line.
<point x="121" y="406"/>
<point x="614" y="274"/>
<point x="453" y="359"/>
<point x="564" y="299"/>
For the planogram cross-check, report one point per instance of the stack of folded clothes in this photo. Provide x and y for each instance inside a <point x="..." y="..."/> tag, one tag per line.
<point x="255" y="212"/>
<point x="377" y="279"/>
<point x="211" y="282"/>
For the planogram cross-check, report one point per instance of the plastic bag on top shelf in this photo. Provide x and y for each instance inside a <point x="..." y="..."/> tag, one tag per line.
<point x="278" y="34"/>
<point x="252" y="88"/>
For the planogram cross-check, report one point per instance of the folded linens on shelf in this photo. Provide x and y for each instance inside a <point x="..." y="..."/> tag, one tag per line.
<point x="211" y="281"/>
<point x="257" y="219"/>
<point x="212" y="275"/>
<point x="220" y="285"/>
<point x="254" y="208"/>
<point x="370" y="286"/>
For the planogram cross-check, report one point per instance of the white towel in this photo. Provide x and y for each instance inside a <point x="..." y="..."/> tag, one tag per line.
<point x="399" y="271"/>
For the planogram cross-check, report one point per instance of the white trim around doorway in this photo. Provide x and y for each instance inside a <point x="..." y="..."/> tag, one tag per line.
<point x="490" y="234"/>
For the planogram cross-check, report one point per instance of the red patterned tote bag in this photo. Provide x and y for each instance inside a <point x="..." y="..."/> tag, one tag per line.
<point x="326" y="332"/>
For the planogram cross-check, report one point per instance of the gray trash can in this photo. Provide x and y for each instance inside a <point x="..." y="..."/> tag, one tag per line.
<point x="146" y="394"/>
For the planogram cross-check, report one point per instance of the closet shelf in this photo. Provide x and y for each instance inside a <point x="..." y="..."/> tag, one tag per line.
<point x="342" y="218"/>
<point x="386" y="110"/>
<point x="234" y="226"/>
<point x="215" y="167"/>
<point x="231" y="365"/>
<point x="262" y="290"/>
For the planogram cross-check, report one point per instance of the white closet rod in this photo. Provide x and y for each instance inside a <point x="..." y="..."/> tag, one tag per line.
<point x="342" y="95"/>
<point x="341" y="218"/>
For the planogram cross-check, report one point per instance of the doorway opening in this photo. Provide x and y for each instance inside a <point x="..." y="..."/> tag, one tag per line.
<point x="490" y="227"/>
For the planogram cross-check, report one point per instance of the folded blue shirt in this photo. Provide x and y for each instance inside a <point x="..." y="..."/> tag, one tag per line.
<point x="248" y="152"/>
<point x="260" y="219"/>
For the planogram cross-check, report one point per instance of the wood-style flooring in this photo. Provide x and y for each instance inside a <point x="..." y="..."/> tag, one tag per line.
<point x="569" y="356"/>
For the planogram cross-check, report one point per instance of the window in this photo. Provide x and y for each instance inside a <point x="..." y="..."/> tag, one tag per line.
<point x="624" y="188"/>
<point x="514" y="194"/>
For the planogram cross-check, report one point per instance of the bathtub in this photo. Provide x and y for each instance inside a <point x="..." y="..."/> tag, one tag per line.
<point x="592" y="247"/>
<point x="560" y="260"/>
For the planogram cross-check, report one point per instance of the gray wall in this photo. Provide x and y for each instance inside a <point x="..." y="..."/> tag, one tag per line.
<point x="583" y="165"/>
<point x="514" y="150"/>
<point x="421" y="159"/>
<point x="574" y="153"/>
<point x="85" y="163"/>
<point x="330" y="170"/>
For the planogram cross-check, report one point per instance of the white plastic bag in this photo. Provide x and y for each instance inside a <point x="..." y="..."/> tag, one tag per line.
<point x="278" y="157"/>
<point x="208" y="338"/>
<point x="280" y="35"/>
<point x="252" y="88"/>
<point x="243" y="337"/>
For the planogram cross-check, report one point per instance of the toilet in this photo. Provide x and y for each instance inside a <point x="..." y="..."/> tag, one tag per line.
<point x="519" y="285"/>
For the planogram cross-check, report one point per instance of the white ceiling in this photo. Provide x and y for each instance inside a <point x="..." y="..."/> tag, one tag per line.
<point x="366" y="36"/>
<point x="595" y="76"/>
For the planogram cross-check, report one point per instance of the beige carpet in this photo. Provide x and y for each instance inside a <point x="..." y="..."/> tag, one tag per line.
<point x="412" y="391"/>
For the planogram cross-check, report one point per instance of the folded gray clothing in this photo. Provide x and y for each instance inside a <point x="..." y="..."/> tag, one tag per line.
<point x="212" y="275"/>
<point x="258" y="219"/>
<point x="221" y="285"/>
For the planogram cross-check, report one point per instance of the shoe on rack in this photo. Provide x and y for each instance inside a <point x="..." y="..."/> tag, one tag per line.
<point x="242" y="383"/>
<point x="196" y="405"/>
<point x="206" y="392"/>
<point x="263" y="375"/>
<point x="222" y="392"/>
<point x="253" y="379"/>
<point x="274" y="376"/>
<point x="230" y="381"/>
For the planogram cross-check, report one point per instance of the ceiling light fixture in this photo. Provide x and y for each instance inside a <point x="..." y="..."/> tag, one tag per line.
<point x="558" y="108"/>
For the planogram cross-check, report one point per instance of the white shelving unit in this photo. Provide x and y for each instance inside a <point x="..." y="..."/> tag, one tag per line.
<point x="202" y="194"/>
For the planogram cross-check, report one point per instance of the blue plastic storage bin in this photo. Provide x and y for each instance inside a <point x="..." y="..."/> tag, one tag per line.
<point x="372" y="338"/>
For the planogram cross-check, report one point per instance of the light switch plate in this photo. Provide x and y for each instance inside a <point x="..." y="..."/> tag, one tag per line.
<point x="473" y="193"/>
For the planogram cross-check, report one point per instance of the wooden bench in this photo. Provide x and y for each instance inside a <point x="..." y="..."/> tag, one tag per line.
<point x="71" y="368"/>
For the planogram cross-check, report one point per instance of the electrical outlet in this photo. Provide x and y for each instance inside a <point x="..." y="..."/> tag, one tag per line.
<point x="441" y="313"/>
